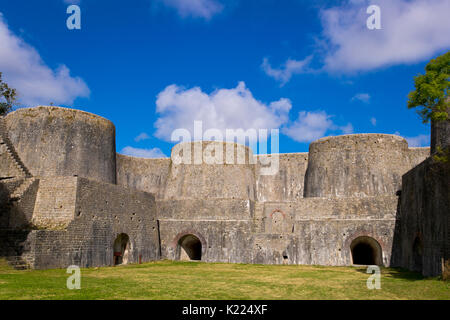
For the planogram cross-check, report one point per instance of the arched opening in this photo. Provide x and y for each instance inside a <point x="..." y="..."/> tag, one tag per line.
<point x="366" y="251"/>
<point x="417" y="254"/>
<point x="189" y="248"/>
<point x="121" y="249"/>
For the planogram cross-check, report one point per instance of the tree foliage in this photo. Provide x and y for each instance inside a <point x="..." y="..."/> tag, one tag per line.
<point x="7" y="97"/>
<point x="431" y="94"/>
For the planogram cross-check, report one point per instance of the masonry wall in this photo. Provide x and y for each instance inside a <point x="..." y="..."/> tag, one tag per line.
<point x="356" y="165"/>
<point x="234" y="180"/>
<point x="288" y="183"/>
<point x="53" y="141"/>
<point x="309" y="212"/>
<point x="417" y="155"/>
<point x="148" y="175"/>
<point x="422" y="239"/>
<point x="21" y="210"/>
<point x="101" y="212"/>
<point x="222" y="240"/>
<point x="224" y="226"/>
<point x="54" y="207"/>
<point x="8" y="169"/>
<point x="320" y="230"/>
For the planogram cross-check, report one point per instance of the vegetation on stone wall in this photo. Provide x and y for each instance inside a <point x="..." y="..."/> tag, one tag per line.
<point x="7" y="97"/>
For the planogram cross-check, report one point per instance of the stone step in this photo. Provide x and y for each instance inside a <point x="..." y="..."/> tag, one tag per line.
<point x="20" y="190"/>
<point x="11" y="150"/>
<point x="17" y="263"/>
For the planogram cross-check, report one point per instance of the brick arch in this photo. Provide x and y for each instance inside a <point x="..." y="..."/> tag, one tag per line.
<point x="186" y="233"/>
<point x="363" y="235"/>
<point x="191" y="243"/>
<point x="277" y="210"/>
<point x="122" y="249"/>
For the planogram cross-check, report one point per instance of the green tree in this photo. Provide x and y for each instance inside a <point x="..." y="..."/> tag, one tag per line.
<point x="7" y="97"/>
<point x="431" y="93"/>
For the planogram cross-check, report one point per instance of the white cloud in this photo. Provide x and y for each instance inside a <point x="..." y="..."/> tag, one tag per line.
<point x="412" y="31"/>
<point x="142" y="136"/>
<point x="311" y="126"/>
<point x="422" y="140"/>
<point x="373" y="121"/>
<point x="205" y="9"/>
<point x="143" y="153"/>
<point x="222" y="109"/>
<point x="36" y="83"/>
<point x="363" y="97"/>
<point x="347" y="129"/>
<point x="290" y="68"/>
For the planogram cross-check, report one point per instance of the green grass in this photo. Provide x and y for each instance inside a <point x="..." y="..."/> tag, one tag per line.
<point x="195" y="280"/>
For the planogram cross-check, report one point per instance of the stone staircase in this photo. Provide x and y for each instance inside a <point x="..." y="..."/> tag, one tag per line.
<point x="29" y="179"/>
<point x="12" y="244"/>
<point x="12" y="241"/>
<point x="21" y="189"/>
<point x="11" y="150"/>
<point x="17" y="263"/>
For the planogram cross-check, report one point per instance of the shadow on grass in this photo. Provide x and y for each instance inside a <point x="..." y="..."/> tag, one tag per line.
<point x="398" y="273"/>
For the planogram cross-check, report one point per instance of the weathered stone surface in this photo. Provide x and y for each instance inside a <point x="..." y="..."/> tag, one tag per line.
<point x="234" y="179"/>
<point x="80" y="228"/>
<point x="321" y="207"/>
<point x="54" y="141"/>
<point x="148" y="175"/>
<point x="417" y="155"/>
<point x="422" y="239"/>
<point x="440" y="133"/>
<point x="356" y="165"/>
<point x="287" y="184"/>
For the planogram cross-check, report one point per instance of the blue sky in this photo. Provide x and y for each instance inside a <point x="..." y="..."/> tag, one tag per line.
<point x="309" y="68"/>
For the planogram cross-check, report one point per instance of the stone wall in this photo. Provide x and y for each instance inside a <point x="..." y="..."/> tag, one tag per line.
<point x="233" y="180"/>
<point x="221" y="241"/>
<point x="21" y="209"/>
<point x="149" y="175"/>
<point x="422" y="238"/>
<point x="320" y="230"/>
<point x="288" y="183"/>
<point x="417" y="155"/>
<point x="53" y="141"/>
<point x="440" y="132"/>
<point x="8" y="168"/>
<point x="100" y="213"/>
<point x="311" y="211"/>
<point x="356" y="165"/>
<point x="55" y="203"/>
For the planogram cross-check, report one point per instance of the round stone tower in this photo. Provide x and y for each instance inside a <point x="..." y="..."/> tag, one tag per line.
<point x="356" y="165"/>
<point x="211" y="170"/>
<point x="55" y="141"/>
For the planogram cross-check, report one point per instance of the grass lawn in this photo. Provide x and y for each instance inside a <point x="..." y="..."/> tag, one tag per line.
<point x="195" y="280"/>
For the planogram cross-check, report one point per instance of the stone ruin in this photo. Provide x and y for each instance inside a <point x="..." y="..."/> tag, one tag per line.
<point x="67" y="198"/>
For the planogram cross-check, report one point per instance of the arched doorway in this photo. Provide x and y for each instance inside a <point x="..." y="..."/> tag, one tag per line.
<point x="417" y="254"/>
<point x="366" y="251"/>
<point x="121" y="249"/>
<point x="189" y="247"/>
